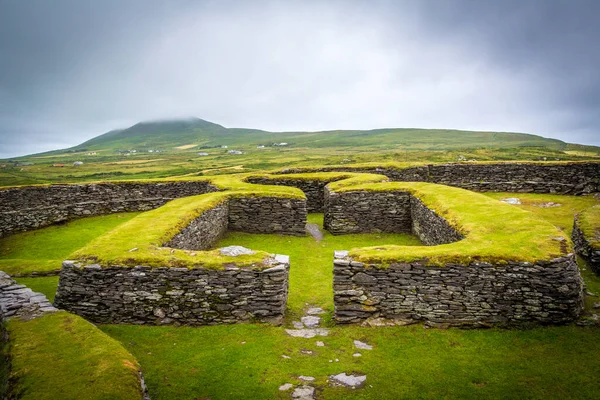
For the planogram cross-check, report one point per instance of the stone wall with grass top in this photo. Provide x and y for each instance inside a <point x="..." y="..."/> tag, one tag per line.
<point x="267" y="214"/>
<point x="312" y="188"/>
<point x="385" y="211"/>
<point x="586" y="245"/>
<point x="367" y="212"/>
<point x="476" y="294"/>
<point x="574" y="178"/>
<point x="156" y="296"/>
<point x="203" y="232"/>
<point x="32" y="207"/>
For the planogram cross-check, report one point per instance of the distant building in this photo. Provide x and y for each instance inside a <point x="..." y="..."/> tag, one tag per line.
<point x="280" y="144"/>
<point x="24" y="164"/>
<point x="223" y="146"/>
<point x="150" y="151"/>
<point x="133" y="151"/>
<point x="260" y="146"/>
<point x="58" y="165"/>
<point x="202" y="153"/>
<point x="77" y="163"/>
<point x="91" y="153"/>
<point x="237" y="152"/>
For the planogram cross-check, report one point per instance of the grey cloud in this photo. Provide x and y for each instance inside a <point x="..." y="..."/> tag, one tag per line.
<point x="74" y="69"/>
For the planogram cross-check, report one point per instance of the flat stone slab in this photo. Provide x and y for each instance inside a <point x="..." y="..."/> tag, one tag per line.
<point x="234" y="251"/>
<point x="298" y="325"/>
<point x="311" y="321"/>
<point x="306" y="378"/>
<point x="285" y="386"/>
<point x="304" y="393"/>
<point x="340" y="253"/>
<point x="307" y="333"/>
<point x="511" y="200"/>
<point x="314" y="231"/>
<point x="362" y="345"/>
<point x="315" y="311"/>
<point x="349" y="380"/>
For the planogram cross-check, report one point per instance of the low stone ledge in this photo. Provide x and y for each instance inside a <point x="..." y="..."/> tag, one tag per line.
<point x="20" y="301"/>
<point x="473" y="295"/>
<point x="157" y="296"/>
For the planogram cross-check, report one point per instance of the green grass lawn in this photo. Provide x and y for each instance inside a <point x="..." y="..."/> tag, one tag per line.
<point x="245" y="362"/>
<point x="45" y="249"/>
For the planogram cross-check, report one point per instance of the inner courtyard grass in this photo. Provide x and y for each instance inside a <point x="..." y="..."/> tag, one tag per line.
<point x="245" y="361"/>
<point x="311" y="270"/>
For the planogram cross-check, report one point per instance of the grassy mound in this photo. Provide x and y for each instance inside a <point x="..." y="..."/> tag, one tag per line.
<point x="62" y="356"/>
<point x="149" y="231"/>
<point x="494" y="231"/>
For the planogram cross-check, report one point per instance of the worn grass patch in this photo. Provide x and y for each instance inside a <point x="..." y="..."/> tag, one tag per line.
<point x="62" y="356"/>
<point x="45" y="249"/>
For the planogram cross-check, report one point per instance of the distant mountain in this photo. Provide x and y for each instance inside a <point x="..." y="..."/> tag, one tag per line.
<point x="195" y="133"/>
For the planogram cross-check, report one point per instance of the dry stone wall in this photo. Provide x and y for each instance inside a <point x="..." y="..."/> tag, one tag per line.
<point x="366" y="211"/>
<point x="585" y="249"/>
<point x="203" y="232"/>
<point x="313" y="189"/>
<point x="268" y="215"/>
<point x="385" y="211"/>
<point x="431" y="228"/>
<point x="564" y="178"/>
<point x="144" y="295"/>
<point x="472" y="295"/>
<point x="20" y="301"/>
<point x="32" y="207"/>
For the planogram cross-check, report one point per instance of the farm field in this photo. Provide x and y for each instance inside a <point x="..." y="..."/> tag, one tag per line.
<point x="246" y="361"/>
<point x="197" y="147"/>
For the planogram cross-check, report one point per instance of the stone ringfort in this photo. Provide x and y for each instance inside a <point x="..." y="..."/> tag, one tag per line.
<point x="482" y="263"/>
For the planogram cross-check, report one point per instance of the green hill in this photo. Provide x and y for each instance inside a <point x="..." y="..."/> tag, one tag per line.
<point x="195" y="133"/>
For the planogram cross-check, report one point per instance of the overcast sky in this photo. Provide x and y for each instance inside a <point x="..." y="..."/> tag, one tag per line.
<point x="71" y="69"/>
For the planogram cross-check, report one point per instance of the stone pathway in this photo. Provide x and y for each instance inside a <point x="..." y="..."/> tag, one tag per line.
<point x="309" y="327"/>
